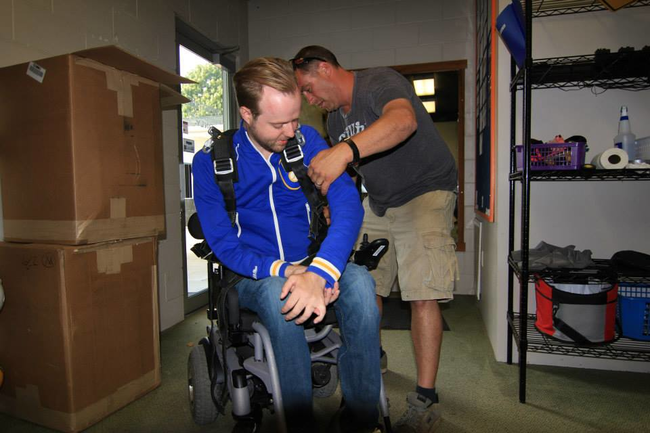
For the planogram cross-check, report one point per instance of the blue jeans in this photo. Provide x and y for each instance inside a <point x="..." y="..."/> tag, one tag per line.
<point x="358" y="358"/>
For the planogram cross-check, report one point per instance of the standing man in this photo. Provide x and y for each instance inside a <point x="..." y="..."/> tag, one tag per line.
<point x="378" y="124"/>
<point x="271" y="237"/>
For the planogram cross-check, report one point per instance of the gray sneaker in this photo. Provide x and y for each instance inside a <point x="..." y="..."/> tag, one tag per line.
<point x="421" y="416"/>
<point x="384" y="362"/>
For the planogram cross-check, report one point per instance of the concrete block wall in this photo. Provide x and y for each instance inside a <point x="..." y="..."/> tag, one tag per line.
<point x="35" y="29"/>
<point x="366" y="33"/>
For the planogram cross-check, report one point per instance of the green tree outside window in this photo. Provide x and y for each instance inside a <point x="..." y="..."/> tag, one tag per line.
<point x="206" y="95"/>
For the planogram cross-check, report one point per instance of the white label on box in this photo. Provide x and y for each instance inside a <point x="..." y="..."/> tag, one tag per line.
<point x="36" y="72"/>
<point x="186" y="127"/>
<point x="188" y="145"/>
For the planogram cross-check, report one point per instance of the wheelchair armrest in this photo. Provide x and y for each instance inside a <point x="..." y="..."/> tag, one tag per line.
<point x="201" y="250"/>
<point x="232" y="304"/>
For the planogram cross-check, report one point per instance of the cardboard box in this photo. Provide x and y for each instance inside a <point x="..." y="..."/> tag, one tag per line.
<point x="81" y="154"/>
<point x="79" y="330"/>
<point x="614" y="5"/>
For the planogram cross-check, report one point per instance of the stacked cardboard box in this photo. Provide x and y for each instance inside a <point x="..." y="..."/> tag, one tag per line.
<point x="81" y="148"/>
<point x="79" y="331"/>
<point x="82" y="191"/>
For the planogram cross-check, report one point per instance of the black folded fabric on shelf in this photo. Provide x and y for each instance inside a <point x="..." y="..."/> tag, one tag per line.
<point x="633" y="263"/>
<point x="550" y="256"/>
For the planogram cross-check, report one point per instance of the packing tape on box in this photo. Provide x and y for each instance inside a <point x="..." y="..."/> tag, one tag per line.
<point x="120" y="82"/>
<point x="118" y="207"/>
<point x="110" y="260"/>
<point x="611" y="159"/>
<point x="83" y="232"/>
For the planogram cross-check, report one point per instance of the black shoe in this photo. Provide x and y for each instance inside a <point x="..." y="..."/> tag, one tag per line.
<point x="340" y="423"/>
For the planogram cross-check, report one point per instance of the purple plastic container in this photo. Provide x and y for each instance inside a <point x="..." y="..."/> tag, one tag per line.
<point x="553" y="156"/>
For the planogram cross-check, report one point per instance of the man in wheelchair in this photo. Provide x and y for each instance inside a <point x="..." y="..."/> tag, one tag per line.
<point x="268" y="238"/>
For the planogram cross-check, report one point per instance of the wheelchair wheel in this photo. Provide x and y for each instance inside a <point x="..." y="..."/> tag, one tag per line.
<point x="202" y="406"/>
<point x="325" y="379"/>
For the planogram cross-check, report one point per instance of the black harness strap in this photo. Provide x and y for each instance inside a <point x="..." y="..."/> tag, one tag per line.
<point x="224" y="160"/>
<point x="293" y="160"/>
<point x="225" y="168"/>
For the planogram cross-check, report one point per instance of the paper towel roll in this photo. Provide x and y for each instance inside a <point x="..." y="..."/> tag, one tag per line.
<point x="612" y="158"/>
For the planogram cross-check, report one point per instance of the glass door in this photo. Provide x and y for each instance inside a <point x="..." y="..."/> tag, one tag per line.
<point x="210" y="106"/>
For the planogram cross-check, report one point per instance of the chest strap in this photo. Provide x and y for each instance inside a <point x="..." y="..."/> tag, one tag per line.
<point x="293" y="160"/>
<point x="224" y="160"/>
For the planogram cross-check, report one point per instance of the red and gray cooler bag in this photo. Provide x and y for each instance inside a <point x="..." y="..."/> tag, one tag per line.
<point x="577" y="313"/>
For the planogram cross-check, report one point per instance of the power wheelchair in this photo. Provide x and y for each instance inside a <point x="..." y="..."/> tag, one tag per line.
<point x="236" y="362"/>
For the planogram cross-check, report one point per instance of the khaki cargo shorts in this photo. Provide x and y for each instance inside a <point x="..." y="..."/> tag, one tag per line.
<point x="422" y="253"/>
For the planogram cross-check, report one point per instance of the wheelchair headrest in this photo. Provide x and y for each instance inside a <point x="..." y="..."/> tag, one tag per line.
<point x="194" y="226"/>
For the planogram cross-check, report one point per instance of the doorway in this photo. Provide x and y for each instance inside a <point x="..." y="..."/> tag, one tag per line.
<point x="445" y="103"/>
<point x="212" y="105"/>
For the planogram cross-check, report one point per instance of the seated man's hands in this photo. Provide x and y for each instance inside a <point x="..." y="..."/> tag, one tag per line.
<point x="328" y="215"/>
<point x="307" y="296"/>
<point x="332" y="294"/>
<point x="294" y="269"/>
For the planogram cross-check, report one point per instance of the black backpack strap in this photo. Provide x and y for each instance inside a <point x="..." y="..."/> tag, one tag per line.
<point x="224" y="161"/>
<point x="293" y="160"/>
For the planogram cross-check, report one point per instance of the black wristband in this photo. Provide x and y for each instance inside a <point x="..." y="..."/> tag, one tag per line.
<point x="355" y="151"/>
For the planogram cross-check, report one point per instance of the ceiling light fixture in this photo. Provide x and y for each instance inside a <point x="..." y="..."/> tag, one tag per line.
<point x="425" y="87"/>
<point x="430" y="106"/>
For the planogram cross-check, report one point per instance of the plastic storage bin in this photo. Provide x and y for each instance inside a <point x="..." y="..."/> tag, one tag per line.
<point x="584" y="314"/>
<point x="634" y="311"/>
<point x="553" y="156"/>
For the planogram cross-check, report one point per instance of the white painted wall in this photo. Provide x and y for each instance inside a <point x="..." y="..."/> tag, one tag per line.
<point x="603" y="217"/>
<point x="366" y="33"/>
<point x="35" y="29"/>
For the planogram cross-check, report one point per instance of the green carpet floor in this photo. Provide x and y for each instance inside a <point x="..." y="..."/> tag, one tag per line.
<point x="477" y="393"/>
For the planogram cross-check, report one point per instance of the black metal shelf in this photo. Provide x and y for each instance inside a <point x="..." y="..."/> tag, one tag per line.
<point x="621" y="349"/>
<point x="583" y="175"/>
<point x="601" y="271"/>
<point x="620" y="70"/>
<point x="625" y="70"/>
<point x="548" y="8"/>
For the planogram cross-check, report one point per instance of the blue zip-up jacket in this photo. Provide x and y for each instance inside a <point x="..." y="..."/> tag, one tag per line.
<point x="273" y="215"/>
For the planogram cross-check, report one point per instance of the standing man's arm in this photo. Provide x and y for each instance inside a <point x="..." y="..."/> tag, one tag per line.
<point x="396" y="123"/>
<point x="332" y="257"/>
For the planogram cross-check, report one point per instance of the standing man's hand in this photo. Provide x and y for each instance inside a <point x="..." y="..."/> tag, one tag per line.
<point x="307" y="297"/>
<point x="328" y="165"/>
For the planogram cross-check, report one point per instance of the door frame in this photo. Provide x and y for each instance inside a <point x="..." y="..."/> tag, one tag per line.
<point x="224" y="56"/>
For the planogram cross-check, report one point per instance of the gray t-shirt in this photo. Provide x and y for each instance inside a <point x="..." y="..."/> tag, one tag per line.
<point x="418" y="165"/>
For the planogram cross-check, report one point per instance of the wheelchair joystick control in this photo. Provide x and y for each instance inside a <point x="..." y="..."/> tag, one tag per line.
<point x="369" y="253"/>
